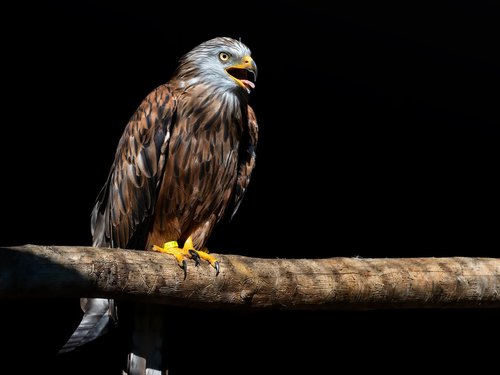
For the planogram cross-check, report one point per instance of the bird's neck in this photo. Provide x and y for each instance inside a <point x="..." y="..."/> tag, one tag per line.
<point x="196" y="87"/>
<point x="205" y="98"/>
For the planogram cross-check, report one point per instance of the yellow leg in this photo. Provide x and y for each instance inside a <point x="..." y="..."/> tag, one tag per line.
<point x="187" y="251"/>
<point x="209" y="258"/>
<point x="171" y="248"/>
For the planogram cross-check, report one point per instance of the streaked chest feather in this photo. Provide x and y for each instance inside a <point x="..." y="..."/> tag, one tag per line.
<point x="203" y="154"/>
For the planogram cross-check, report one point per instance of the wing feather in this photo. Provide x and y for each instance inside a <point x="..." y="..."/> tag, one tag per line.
<point x="126" y="202"/>
<point x="246" y="160"/>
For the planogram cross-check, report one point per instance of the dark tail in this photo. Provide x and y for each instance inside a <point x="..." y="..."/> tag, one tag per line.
<point x="99" y="316"/>
<point x="146" y="356"/>
<point x="143" y="325"/>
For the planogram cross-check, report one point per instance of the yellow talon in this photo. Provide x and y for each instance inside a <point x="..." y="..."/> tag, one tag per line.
<point x="209" y="258"/>
<point x="188" y="245"/>
<point x="187" y="251"/>
<point x="172" y="248"/>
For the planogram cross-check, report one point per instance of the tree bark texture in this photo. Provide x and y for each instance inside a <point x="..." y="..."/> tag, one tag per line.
<point x="33" y="271"/>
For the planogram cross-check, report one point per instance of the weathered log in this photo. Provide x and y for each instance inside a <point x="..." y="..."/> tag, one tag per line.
<point x="32" y="271"/>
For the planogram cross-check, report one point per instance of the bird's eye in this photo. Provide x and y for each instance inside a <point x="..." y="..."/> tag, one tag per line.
<point x="224" y="56"/>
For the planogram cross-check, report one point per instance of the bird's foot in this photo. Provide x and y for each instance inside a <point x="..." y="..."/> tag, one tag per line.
<point x="187" y="251"/>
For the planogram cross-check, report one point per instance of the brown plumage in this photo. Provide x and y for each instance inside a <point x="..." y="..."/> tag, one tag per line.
<point x="186" y="154"/>
<point x="183" y="161"/>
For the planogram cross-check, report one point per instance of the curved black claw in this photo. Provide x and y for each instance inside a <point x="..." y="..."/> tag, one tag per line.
<point x="185" y="268"/>
<point x="217" y="267"/>
<point x="194" y="255"/>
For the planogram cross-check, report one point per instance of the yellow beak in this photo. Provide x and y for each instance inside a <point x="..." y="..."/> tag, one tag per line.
<point x="239" y="72"/>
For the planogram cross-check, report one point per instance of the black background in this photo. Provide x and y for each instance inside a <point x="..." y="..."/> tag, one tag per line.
<point x="379" y="137"/>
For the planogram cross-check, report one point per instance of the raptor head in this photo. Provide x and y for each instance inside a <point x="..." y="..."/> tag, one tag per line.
<point x="221" y="62"/>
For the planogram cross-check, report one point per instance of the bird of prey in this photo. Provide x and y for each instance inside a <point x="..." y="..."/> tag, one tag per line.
<point x="183" y="162"/>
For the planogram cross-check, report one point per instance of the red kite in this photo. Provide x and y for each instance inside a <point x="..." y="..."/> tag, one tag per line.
<point x="183" y="162"/>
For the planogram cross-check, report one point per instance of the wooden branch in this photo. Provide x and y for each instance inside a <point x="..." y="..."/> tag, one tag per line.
<point x="252" y="283"/>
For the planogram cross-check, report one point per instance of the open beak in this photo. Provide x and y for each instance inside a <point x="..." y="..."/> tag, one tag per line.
<point x="244" y="73"/>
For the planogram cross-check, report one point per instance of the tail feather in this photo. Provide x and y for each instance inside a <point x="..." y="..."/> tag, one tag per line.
<point x="99" y="316"/>
<point x="146" y="356"/>
<point x="142" y="324"/>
